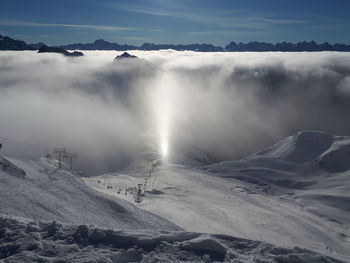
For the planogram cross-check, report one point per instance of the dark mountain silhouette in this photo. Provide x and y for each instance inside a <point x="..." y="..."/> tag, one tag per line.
<point x="7" y="43"/>
<point x="193" y="47"/>
<point x="256" y="46"/>
<point x="99" y="44"/>
<point x="46" y="49"/>
<point x="251" y="46"/>
<point x="286" y="46"/>
<point x="125" y="55"/>
<point x="37" y="46"/>
<point x="140" y="65"/>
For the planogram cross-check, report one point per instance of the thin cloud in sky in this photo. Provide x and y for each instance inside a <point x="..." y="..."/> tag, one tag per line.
<point x="221" y="18"/>
<point x="284" y="21"/>
<point x="77" y="26"/>
<point x="157" y="12"/>
<point x="226" y="32"/>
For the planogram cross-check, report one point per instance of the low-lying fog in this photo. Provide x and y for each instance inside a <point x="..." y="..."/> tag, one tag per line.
<point x="211" y="106"/>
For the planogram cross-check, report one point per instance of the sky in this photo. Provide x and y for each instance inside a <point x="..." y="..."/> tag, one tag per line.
<point x="175" y="21"/>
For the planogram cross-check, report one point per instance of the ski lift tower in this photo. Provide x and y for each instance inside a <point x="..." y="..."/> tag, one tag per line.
<point x="72" y="156"/>
<point x="60" y="151"/>
<point x="138" y="196"/>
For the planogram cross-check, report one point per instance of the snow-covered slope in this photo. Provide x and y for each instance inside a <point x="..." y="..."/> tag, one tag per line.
<point x="309" y="168"/>
<point x="292" y="198"/>
<point x="29" y="190"/>
<point x="294" y="193"/>
<point x="332" y="153"/>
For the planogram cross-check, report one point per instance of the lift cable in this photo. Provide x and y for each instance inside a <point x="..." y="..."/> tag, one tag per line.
<point x="23" y="143"/>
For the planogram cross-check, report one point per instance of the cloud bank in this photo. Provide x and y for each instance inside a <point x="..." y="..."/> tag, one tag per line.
<point x="204" y="106"/>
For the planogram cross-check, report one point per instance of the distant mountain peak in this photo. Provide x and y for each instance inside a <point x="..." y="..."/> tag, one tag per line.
<point x="46" y="49"/>
<point x="125" y="55"/>
<point x="101" y="41"/>
<point x="254" y="46"/>
<point x="7" y="43"/>
<point x="286" y="46"/>
<point x="37" y="46"/>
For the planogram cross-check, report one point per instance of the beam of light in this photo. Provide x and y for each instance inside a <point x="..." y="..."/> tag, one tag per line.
<point x="164" y="126"/>
<point x="164" y="147"/>
<point x="163" y="110"/>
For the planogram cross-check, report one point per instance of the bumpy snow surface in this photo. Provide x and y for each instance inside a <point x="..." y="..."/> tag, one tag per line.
<point x="295" y="193"/>
<point x="56" y="243"/>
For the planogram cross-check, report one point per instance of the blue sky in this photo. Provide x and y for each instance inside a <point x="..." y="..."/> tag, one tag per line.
<point x="175" y="21"/>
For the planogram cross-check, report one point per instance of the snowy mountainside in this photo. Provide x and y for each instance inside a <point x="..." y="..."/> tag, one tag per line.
<point x="311" y="168"/>
<point x="300" y="148"/>
<point x="10" y="168"/>
<point x="29" y="241"/>
<point x="332" y="153"/>
<point x="64" y="197"/>
<point x="295" y="206"/>
<point x="285" y="195"/>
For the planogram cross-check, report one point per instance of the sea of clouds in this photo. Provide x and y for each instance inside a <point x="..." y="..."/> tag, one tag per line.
<point x="206" y="106"/>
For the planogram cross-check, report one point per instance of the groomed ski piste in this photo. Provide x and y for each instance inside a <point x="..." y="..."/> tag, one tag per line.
<point x="288" y="203"/>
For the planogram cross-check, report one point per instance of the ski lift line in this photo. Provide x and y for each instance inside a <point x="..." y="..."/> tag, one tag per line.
<point x="63" y="154"/>
<point x="22" y="143"/>
<point x="66" y="154"/>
